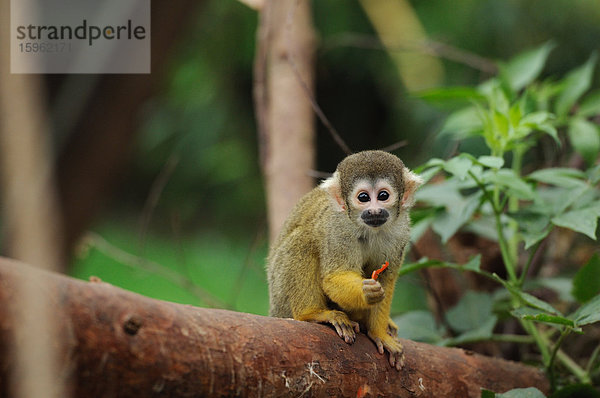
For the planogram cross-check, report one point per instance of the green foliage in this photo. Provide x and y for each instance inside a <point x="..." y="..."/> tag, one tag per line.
<point x="530" y="392"/>
<point x="227" y="271"/>
<point x="586" y="283"/>
<point x="491" y="193"/>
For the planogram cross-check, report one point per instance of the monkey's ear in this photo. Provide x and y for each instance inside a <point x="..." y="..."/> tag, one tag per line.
<point x="333" y="188"/>
<point x="412" y="181"/>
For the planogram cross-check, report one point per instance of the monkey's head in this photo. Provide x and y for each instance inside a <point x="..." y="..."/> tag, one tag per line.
<point x="373" y="187"/>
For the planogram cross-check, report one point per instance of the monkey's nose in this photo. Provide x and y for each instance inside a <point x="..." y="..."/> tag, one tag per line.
<point x="374" y="217"/>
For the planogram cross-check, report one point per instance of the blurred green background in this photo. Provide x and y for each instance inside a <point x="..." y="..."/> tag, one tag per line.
<point x="203" y="240"/>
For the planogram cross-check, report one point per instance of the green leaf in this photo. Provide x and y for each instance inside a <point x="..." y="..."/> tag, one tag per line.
<point x="419" y="326"/>
<point x="472" y="265"/>
<point x="483" y="332"/>
<point x="473" y="309"/>
<point x="463" y="123"/>
<point x="590" y="105"/>
<point x="529" y="392"/>
<point x="526" y="67"/>
<point x="561" y="177"/>
<point x="585" y="138"/>
<point x="487" y="393"/>
<point x="586" y="283"/>
<point x="536" y="118"/>
<point x="594" y="174"/>
<point x="554" y="201"/>
<point x="458" y="166"/>
<point x="551" y="131"/>
<point x="577" y="82"/>
<point x="456" y="216"/>
<point x="534" y="226"/>
<point x="581" y="220"/>
<point x="588" y="313"/>
<point x="537" y="303"/>
<point x="515" y="184"/>
<point x="540" y="316"/>
<point x="527" y="298"/>
<point x="493" y="162"/>
<point x="429" y="173"/>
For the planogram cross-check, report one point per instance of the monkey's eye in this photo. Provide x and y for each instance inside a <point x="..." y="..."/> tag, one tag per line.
<point x="383" y="196"/>
<point x="363" y="197"/>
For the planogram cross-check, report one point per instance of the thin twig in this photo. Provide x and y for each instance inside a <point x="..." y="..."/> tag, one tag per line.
<point x="394" y="146"/>
<point x="154" y="196"/>
<point x="307" y="92"/>
<point x="241" y="277"/>
<point x="430" y="47"/>
<point x="92" y="239"/>
<point x="319" y="174"/>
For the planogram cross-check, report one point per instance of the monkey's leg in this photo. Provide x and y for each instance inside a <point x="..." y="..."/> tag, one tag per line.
<point x="378" y="326"/>
<point x="392" y="328"/>
<point x="344" y="327"/>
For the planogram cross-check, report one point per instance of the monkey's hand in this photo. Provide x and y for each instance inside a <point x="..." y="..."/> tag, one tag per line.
<point x="373" y="291"/>
<point x="393" y="346"/>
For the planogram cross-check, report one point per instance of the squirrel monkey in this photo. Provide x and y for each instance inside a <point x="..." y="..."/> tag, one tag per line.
<point x="320" y="265"/>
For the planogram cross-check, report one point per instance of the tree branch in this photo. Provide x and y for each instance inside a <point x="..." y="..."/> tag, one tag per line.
<point x="121" y="344"/>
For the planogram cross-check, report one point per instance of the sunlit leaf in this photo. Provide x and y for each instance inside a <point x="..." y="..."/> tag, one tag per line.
<point x="540" y="316"/>
<point x="525" y="67"/>
<point x="581" y="220"/>
<point x="588" y="313"/>
<point x="590" y="105"/>
<point x="527" y="298"/>
<point x="585" y="138"/>
<point x="576" y="83"/>
<point x="529" y="392"/>
<point x="458" y="166"/>
<point x="515" y="184"/>
<point x="463" y="123"/>
<point x="456" y="216"/>
<point x="561" y="177"/>
<point x="493" y="162"/>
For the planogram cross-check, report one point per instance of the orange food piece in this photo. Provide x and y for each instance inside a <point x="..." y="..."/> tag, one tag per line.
<point x="380" y="270"/>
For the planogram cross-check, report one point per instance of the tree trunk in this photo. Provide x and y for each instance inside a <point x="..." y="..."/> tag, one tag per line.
<point x="121" y="344"/>
<point x="283" y="78"/>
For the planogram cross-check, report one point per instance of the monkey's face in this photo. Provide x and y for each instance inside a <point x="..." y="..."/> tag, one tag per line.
<point x="372" y="202"/>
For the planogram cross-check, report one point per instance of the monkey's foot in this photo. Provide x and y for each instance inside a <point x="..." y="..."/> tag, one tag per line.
<point x="393" y="346"/>
<point x="344" y="327"/>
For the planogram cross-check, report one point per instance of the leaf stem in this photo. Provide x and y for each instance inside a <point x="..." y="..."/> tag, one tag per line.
<point x="540" y="340"/>
<point x="567" y="361"/>
<point x="590" y="364"/>
<point x="510" y="269"/>
<point x="532" y="254"/>
<point x="550" y="366"/>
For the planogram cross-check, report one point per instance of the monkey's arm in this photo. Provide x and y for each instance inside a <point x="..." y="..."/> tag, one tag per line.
<point x="351" y="291"/>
